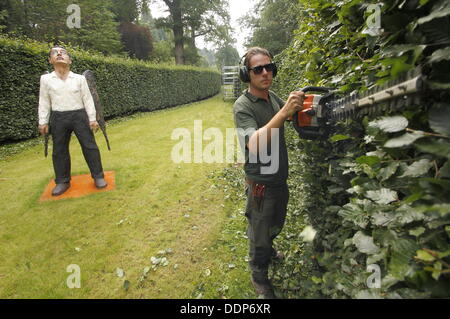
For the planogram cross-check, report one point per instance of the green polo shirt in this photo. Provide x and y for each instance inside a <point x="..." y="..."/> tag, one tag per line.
<point x="250" y="114"/>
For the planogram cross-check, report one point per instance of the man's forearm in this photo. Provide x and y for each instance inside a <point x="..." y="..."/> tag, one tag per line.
<point x="256" y="142"/>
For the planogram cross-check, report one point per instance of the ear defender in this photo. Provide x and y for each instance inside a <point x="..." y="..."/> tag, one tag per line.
<point x="243" y="70"/>
<point x="275" y="70"/>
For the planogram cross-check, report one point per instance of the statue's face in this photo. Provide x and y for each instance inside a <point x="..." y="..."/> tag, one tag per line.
<point x="59" y="56"/>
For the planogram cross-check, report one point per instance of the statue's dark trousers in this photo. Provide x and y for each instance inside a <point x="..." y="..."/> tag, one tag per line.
<point x="62" y="124"/>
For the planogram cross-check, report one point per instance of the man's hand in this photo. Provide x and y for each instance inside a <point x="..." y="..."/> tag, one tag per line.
<point x="293" y="104"/>
<point x="94" y="126"/>
<point x="43" y="129"/>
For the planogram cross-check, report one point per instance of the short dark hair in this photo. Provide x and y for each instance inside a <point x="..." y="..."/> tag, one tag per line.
<point x="254" y="51"/>
<point x="58" y="46"/>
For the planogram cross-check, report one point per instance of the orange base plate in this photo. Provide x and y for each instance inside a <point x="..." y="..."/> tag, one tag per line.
<point x="80" y="185"/>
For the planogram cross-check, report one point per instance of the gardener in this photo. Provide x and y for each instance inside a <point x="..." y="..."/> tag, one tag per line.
<point x="259" y="117"/>
<point x="66" y="96"/>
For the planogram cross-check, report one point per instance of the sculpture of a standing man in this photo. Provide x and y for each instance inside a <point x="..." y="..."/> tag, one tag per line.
<point x="65" y="106"/>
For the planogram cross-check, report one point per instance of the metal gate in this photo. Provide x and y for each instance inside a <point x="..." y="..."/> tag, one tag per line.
<point x="231" y="84"/>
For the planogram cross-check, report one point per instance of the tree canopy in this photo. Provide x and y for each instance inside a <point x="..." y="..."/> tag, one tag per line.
<point x="273" y="23"/>
<point x="191" y="19"/>
<point x="46" y="20"/>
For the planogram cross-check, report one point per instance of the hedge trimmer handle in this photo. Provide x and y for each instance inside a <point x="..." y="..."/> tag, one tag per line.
<point x="320" y="89"/>
<point x="306" y="121"/>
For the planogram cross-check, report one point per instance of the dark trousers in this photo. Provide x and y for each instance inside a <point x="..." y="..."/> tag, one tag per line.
<point x="266" y="214"/>
<point x="62" y="124"/>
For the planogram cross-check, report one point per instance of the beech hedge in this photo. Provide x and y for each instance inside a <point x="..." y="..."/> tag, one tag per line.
<point x="124" y="85"/>
<point x="378" y="199"/>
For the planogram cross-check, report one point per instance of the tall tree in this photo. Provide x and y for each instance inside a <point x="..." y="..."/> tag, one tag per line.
<point x="272" y="23"/>
<point x="98" y="29"/>
<point x="130" y="10"/>
<point x="227" y="55"/>
<point x="136" y="38"/>
<point x="125" y="10"/>
<point x="176" y="24"/>
<point x="191" y="19"/>
<point x="208" y="18"/>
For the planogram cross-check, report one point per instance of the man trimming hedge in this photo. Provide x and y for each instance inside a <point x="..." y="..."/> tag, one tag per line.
<point x="259" y="118"/>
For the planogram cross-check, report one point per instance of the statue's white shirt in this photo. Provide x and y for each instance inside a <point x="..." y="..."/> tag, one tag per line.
<point x="60" y="95"/>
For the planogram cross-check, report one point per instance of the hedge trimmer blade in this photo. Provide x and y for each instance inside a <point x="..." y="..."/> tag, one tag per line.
<point x="394" y="93"/>
<point x="321" y="111"/>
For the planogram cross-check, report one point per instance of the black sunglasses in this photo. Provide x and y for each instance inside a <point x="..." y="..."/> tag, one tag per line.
<point x="258" y="69"/>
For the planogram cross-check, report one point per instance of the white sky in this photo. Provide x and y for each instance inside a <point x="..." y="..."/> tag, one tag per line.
<point x="237" y="9"/>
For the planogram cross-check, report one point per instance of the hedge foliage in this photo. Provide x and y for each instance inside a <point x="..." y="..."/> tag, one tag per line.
<point x="124" y="85"/>
<point x="378" y="191"/>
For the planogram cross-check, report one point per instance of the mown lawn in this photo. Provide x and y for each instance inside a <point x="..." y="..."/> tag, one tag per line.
<point x="157" y="206"/>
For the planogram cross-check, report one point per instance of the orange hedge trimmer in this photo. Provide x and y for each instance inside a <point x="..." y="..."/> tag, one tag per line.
<point x="321" y="111"/>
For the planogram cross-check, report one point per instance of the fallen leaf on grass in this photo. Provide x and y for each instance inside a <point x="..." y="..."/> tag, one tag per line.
<point x="120" y="273"/>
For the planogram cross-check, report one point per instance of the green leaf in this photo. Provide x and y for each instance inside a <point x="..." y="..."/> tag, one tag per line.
<point x="404" y="140"/>
<point x="407" y="214"/>
<point x="440" y="12"/>
<point x="400" y="49"/>
<point x="316" y="280"/>
<point x="439" y="55"/>
<point x="445" y="253"/>
<point x="388" y="281"/>
<point x="382" y="219"/>
<point x="417" y="231"/>
<point x="339" y="137"/>
<point x="365" y="243"/>
<point x="372" y="259"/>
<point x="436" y="270"/>
<point x="390" y="124"/>
<point x="403" y="251"/>
<point x="386" y="172"/>
<point x="444" y="171"/>
<point x="412" y="198"/>
<point x="440" y="148"/>
<point x="438" y="85"/>
<point x="439" y="118"/>
<point x="369" y="160"/>
<point x="418" y="168"/>
<point x="442" y="209"/>
<point x="353" y="213"/>
<point x="441" y="182"/>
<point x="382" y="196"/>
<point x="397" y="65"/>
